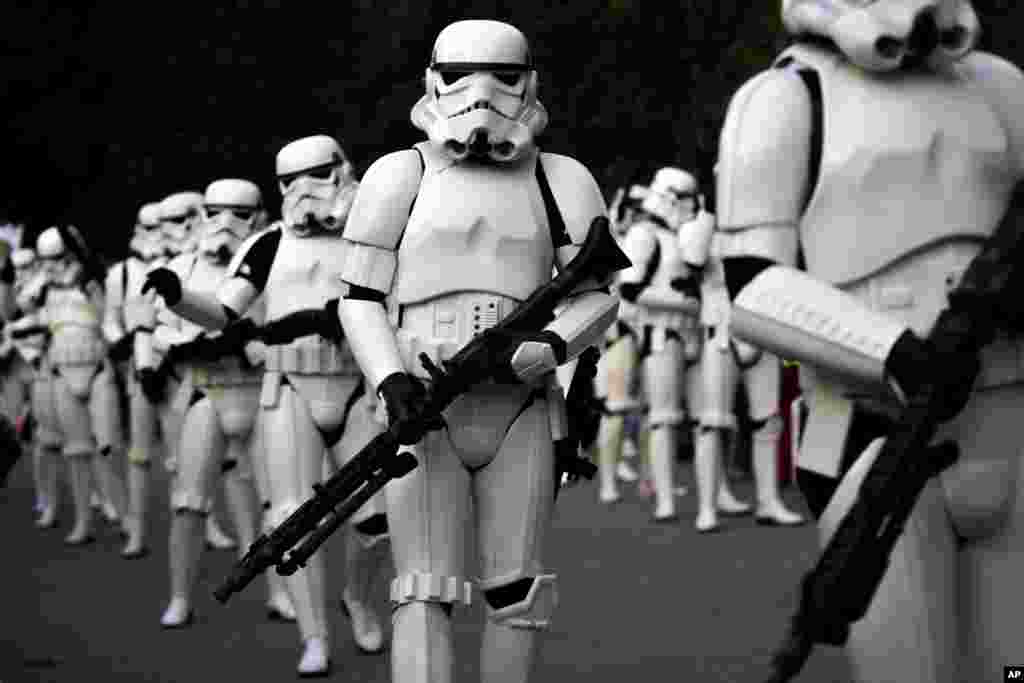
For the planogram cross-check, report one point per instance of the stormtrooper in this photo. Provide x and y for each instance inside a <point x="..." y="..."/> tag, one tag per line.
<point x="24" y="355"/>
<point x="69" y="301"/>
<point x="881" y="151"/>
<point x="180" y="215"/>
<point x="217" y="427"/>
<point x="725" y="362"/>
<point x="313" y="397"/>
<point x="616" y="380"/>
<point x="663" y="289"/>
<point x="128" y="314"/>
<point x="451" y="235"/>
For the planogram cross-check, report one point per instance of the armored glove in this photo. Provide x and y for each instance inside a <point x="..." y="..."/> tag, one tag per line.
<point x="631" y="290"/>
<point x="121" y="350"/>
<point x="153" y="384"/>
<point x="915" y="363"/>
<point x="164" y="282"/>
<point x="405" y="398"/>
<point x="687" y="286"/>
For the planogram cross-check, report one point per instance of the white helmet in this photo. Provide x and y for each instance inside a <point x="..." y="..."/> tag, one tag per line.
<point x="481" y="94"/>
<point x="179" y="214"/>
<point x="315" y="179"/>
<point x="883" y="35"/>
<point x="672" y="196"/>
<point x="149" y="216"/>
<point x="230" y="207"/>
<point x="49" y="244"/>
<point x="23" y="258"/>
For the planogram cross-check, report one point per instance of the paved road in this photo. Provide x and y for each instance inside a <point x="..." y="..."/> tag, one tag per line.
<point x="639" y="602"/>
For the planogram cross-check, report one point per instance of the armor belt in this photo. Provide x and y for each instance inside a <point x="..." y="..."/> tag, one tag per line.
<point x="442" y="326"/>
<point x="77" y="351"/>
<point x="225" y="374"/>
<point x="317" y="358"/>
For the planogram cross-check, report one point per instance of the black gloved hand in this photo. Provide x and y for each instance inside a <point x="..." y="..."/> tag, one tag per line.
<point x="631" y="290"/>
<point x="164" y="282"/>
<point x="405" y="398"/>
<point x="915" y="363"/>
<point x="687" y="286"/>
<point x="153" y="384"/>
<point x="121" y="350"/>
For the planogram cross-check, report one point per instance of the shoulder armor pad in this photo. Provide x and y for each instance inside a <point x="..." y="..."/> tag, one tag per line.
<point x="182" y="265"/>
<point x="639" y="245"/>
<point x="576" y="193"/>
<point x="255" y="256"/>
<point x="764" y="152"/>
<point x="1003" y="82"/>
<point x="381" y="208"/>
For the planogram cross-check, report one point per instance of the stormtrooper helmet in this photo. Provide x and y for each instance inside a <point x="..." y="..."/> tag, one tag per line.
<point x="625" y="206"/>
<point x="315" y="180"/>
<point x="672" y="197"/>
<point x="179" y="214"/>
<point x="25" y="264"/>
<point x="230" y="208"/>
<point x="56" y="261"/>
<point x="146" y="242"/>
<point x="481" y="93"/>
<point x="885" y="35"/>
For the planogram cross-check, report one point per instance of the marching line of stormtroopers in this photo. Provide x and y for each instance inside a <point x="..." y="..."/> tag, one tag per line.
<point x="857" y="178"/>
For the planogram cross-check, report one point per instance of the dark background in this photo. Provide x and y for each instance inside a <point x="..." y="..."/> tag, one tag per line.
<point x="110" y="106"/>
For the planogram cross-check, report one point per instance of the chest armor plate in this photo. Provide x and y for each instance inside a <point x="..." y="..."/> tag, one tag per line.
<point x="70" y="307"/>
<point x="139" y="310"/>
<point x="306" y="273"/>
<point x="474" y="228"/>
<point x="908" y="160"/>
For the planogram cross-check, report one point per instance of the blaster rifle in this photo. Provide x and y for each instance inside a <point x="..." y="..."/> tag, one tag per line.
<point x="839" y="589"/>
<point x="485" y="356"/>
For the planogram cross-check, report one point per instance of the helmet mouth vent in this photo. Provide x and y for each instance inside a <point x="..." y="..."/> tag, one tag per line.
<point x="889" y="47"/>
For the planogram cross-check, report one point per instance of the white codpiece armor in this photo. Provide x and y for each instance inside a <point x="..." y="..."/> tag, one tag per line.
<point x="667" y="320"/>
<point x="456" y="246"/>
<point x="917" y="167"/>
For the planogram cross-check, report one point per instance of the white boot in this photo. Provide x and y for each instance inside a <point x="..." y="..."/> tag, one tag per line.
<point x="80" y="473"/>
<point x="771" y="511"/>
<point x="138" y="503"/>
<point x="216" y="539"/>
<point x="706" y="469"/>
<point x="178" y="613"/>
<point x="662" y="458"/>
<point x="315" y="661"/>
<point x="609" y="444"/>
<point x="184" y="550"/>
<point x="49" y="482"/>
<point x="363" y="564"/>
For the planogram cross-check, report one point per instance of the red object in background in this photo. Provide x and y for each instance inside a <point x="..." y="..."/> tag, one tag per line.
<point x="789" y="390"/>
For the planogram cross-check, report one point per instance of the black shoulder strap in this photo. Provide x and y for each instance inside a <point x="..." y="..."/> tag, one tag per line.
<point x="556" y="225"/>
<point x="813" y="83"/>
<point x="423" y="171"/>
<point x="652" y="265"/>
<point x="124" y="279"/>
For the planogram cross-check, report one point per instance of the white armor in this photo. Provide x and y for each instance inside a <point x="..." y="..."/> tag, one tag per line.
<point x="667" y="320"/>
<point x="85" y="389"/>
<point x="180" y="213"/>
<point x="726" y="362"/>
<point x="920" y="162"/>
<point x="146" y="243"/>
<point x="218" y="425"/>
<point x="475" y="244"/>
<point x="307" y="387"/>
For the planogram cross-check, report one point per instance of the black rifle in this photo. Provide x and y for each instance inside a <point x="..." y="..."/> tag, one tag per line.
<point x="838" y="591"/>
<point x="485" y="356"/>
